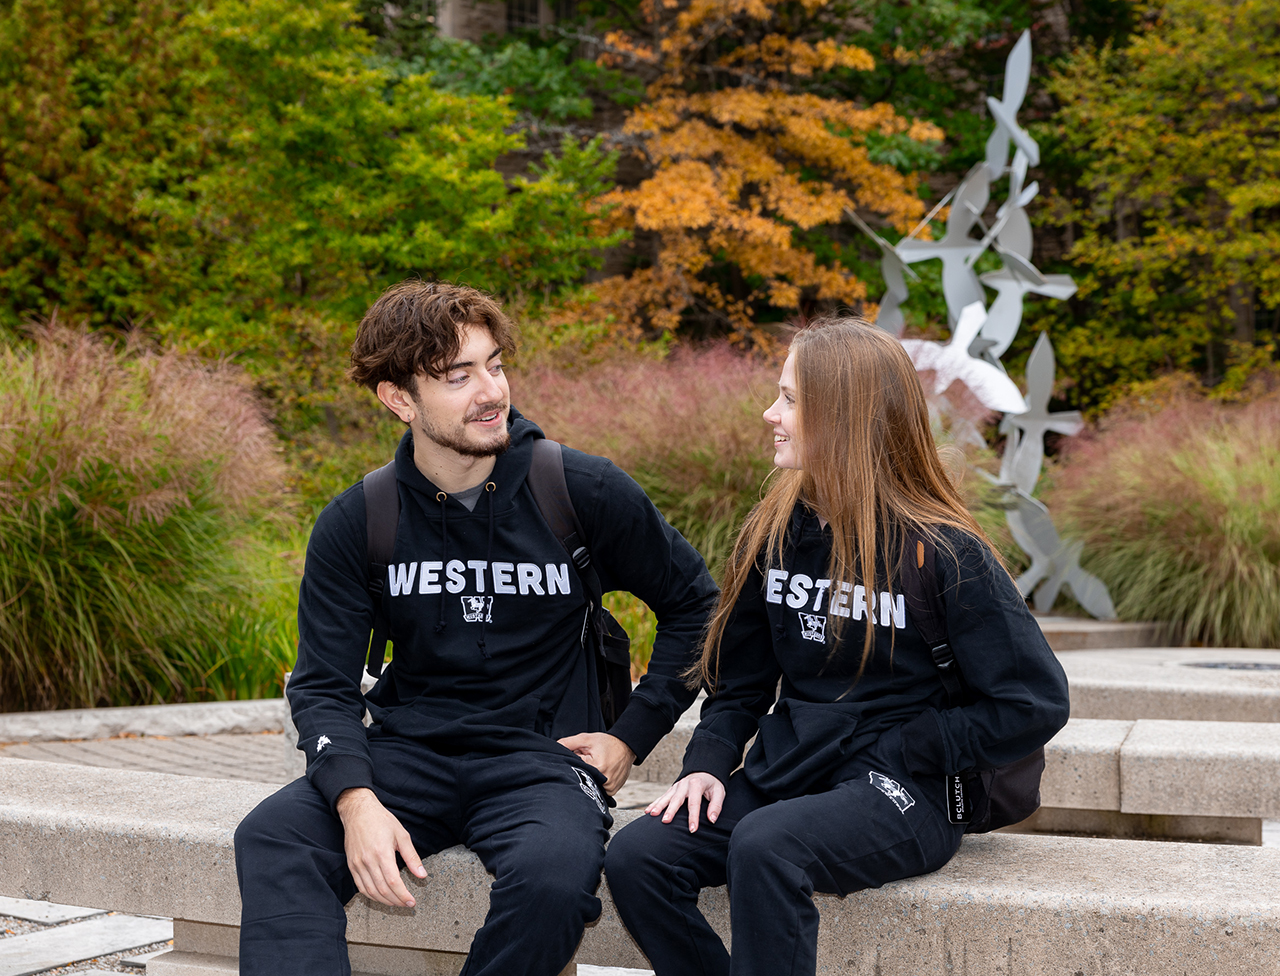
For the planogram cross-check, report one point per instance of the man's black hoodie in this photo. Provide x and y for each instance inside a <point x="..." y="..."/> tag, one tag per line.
<point x="487" y="613"/>
<point x="827" y="712"/>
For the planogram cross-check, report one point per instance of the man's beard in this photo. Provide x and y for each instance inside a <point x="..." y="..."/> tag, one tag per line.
<point x="456" y="440"/>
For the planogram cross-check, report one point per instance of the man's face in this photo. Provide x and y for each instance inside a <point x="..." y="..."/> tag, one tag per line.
<point x="465" y="409"/>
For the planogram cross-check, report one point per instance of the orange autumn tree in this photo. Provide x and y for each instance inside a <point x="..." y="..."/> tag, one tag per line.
<point x="752" y="163"/>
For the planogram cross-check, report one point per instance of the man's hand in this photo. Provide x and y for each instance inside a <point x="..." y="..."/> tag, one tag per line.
<point x="692" y="788"/>
<point x="373" y="835"/>
<point x="607" y="753"/>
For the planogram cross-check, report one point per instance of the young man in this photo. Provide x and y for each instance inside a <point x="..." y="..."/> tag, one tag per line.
<point x="486" y="728"/>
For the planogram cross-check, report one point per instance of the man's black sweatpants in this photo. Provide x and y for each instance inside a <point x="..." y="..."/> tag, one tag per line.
<point x="533" y="818"/>
<point x="874" y="824"/>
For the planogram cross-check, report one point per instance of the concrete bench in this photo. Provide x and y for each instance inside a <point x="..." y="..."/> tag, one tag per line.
<point x="1214" y="781"/>
<point x="1198" y="684"/>
<point x="155" y="844"/>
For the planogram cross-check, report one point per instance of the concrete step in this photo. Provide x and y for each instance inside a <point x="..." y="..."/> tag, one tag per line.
<point x="1085" y="634"/>
<point x="1197" y="684"/>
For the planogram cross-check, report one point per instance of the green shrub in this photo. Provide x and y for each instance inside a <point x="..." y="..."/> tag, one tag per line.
<point x="240" y="172"/>
<point x="1178" y="504"/>
<point x="124" y="477"/>
<point x="543" y="83"/>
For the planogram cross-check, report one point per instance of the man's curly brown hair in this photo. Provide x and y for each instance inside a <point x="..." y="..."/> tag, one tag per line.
<point x="416" y="326"/>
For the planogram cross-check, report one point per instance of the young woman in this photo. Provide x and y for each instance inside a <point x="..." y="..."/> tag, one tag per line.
<point x="845" y="786"/>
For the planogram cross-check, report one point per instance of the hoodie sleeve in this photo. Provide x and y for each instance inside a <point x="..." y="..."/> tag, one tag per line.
<point x="335" y="617"/>
<point x="1017" y="688"/>
<point x="747" y="687"/>
<point x="634" y="549"/>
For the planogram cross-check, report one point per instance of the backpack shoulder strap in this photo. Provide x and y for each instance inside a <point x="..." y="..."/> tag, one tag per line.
<point x="921" y="591"/>
<point x="551" y="494"/>
<point x="381" y="517"/>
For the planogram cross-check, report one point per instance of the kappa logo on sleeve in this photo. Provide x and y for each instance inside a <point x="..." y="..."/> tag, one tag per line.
<point x="477" y="608"/>
<point x="893" y="790"/>
<point x="813" y="627"/>
<point x="321" y="743"/>
<point x="589" y="787"/>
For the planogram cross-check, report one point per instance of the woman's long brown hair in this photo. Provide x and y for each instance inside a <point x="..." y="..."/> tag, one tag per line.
<point x="870" y="468"/>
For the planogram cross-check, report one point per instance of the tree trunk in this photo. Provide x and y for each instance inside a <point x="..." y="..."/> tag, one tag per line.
<point x="1240" y="299"/>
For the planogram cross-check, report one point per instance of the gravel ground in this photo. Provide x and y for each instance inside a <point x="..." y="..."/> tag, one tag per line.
<point x="10" y="927"/>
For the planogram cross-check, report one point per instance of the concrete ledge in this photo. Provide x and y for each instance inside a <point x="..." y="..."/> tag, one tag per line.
<point x="1166" y="683"/>
<point x="1083" y="634"/>
<point x="198" y="718"/>
<point x="1199" y="769"/>
<point x="1082" y="765"/>
<point x="1218" y="769"/>
<point x="161" y="845"/>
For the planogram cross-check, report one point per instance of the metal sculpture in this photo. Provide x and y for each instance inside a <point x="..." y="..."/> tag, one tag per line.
<point x="950" y="363"/>
<point x="980" y="336"/>
<point x="1024" y="454"/>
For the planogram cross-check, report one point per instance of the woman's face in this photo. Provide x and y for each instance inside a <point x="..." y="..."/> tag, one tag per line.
<point x="781" y="416"/>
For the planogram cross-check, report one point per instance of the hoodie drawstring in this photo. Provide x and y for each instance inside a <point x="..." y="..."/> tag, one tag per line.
<point x="441" y="497"/>
<point x="489" y="489"/>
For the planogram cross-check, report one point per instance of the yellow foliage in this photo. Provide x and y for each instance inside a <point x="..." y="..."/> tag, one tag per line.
<point x="742" y="158"/>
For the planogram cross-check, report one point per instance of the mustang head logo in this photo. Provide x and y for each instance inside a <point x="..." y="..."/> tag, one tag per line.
<point x="813" y="627"/>
<point x="477" y="608"/>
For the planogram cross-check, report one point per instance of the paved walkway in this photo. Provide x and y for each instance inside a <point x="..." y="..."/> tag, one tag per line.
<point x="259" y="758"/>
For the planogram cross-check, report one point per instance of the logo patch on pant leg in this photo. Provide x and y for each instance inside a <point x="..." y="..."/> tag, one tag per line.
<point x="893" y="790"/>
<point x="589" y="787"/>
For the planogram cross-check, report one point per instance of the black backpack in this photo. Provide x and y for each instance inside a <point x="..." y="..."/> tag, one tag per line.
<point x="984" y="799"/>
<point x="607" y="643"/>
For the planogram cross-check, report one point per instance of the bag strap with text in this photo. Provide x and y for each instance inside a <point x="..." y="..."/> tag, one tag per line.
<point x="381" y="517"/>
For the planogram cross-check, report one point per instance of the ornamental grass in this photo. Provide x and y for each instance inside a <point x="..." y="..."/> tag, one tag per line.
<point x="688" y="428"/>
<point x="1177" y="499"/>
<point x="125" y="477"/>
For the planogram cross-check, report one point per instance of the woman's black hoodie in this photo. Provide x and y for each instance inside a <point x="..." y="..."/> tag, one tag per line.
<point x="826" y="713"/>
<point x="486" y="613"/>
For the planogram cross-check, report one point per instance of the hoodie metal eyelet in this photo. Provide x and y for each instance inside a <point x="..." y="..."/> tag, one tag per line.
<point x="441" y="496"/>
<point x="490" y="486"/>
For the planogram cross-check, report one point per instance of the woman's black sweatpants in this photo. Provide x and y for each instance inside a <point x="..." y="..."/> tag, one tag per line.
<point x="532" y="817"/>
<point x="876" y="824"/>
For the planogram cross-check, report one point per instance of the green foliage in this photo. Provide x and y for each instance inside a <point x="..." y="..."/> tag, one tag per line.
<point x="641" y="625"/>
<point x="244" y="174"/>
<point x="124" y="478"/>
<point x="102" y="102"/>
<point x="1177" y="139"/>
<point x="543" y="82"/>
<point x="1177" y="500"/>
<point x="346" y="179"/>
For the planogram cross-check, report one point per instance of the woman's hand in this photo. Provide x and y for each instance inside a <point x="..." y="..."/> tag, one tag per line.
<point x="692" y="788"/>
